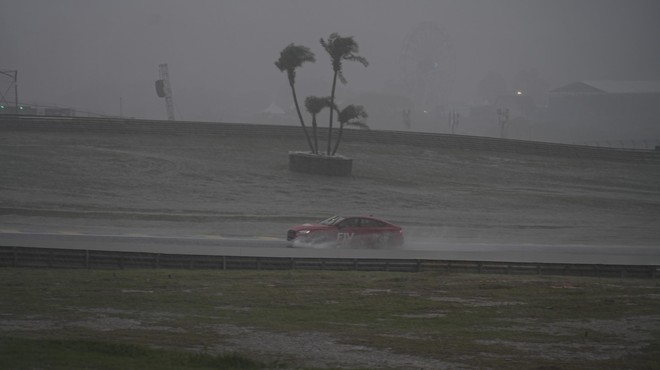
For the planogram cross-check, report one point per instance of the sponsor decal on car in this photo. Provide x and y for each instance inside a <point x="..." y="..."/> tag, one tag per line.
<point x="345" y="237"/>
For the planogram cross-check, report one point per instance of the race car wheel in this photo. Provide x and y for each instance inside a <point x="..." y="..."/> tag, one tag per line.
<point x="383" y="240"/>
<point x="318" y="238"/>
<point x="391" y="241"/>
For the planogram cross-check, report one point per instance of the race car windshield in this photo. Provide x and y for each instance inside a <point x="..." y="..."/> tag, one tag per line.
<point x="332" y="220"/>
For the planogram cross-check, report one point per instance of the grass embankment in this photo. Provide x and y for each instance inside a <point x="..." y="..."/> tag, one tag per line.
<point x="21" y="353"/>
<point x="200" y="319"/>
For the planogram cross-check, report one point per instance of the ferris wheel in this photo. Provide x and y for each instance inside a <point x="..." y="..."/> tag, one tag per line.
<point x="427" y="66"/>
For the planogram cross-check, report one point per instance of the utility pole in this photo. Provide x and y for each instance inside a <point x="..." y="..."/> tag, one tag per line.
<point x="164" y="90"/>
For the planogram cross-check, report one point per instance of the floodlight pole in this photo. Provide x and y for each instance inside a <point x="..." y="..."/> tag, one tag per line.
<point x="14" y="76"/>
<point x="169" y="103"/>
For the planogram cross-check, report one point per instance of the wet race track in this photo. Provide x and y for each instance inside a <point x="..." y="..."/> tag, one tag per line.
<point x="186" y="193"/>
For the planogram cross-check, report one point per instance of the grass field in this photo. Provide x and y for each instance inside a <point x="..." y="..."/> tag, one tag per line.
<point x="64" y="319"/>
<point x="177" y="185"/>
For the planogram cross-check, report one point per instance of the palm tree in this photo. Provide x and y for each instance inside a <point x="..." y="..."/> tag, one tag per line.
<point x="340" y="49"/>
<point x="314" y="106"/>
<point x="292" y="57"/>
<point x="350" y="116"/>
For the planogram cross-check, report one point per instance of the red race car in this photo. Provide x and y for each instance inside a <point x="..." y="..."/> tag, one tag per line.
<point x="352" y="231"/>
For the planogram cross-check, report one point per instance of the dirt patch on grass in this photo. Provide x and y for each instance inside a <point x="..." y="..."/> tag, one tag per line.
<point x="304" y="348"/>
<point x="311" y="348"/>
<point x="475" y="302"/>
<point x="591" y="339"/>
<point x="314" y="348"/>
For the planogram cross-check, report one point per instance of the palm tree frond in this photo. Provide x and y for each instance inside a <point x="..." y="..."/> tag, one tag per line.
<point x="350" y="116"/>
<point x="293" y="56"/>
<point x="340" y="76"/>
<point x="314" y="104"/>
<point x="359" y="59"/>
<point x="329" y="45"/>
<point x="351" y="112"/>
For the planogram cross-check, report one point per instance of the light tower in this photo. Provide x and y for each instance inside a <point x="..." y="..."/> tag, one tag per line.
<point x="164" y="90"/>
<point x="5" y="94"/>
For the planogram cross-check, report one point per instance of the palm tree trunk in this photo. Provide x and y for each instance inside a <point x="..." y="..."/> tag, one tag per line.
<point x="302" y="123"/>
<point x="316" y="139"/>
<point x="341" y="131"/>
<point x="332" y="104"/>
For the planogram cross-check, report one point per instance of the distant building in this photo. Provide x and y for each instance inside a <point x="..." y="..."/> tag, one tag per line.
<point x="522" y="114"/>
<point x="606" y="110"/>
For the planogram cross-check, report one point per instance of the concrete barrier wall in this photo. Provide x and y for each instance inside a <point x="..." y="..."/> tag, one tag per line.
<point x="418" y="139"/>
<point x="28" y="257"/>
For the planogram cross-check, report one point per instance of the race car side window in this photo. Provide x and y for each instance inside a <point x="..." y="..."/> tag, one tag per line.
<point x="332" y="220"/>
<point x="367" y="222"/>
<point x="350" y="222"/>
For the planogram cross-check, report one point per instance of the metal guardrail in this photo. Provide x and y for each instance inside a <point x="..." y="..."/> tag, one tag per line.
<point x="29" y="257"/>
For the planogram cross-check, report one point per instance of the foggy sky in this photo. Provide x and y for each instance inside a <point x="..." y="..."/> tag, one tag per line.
<point x="90" y="54"/>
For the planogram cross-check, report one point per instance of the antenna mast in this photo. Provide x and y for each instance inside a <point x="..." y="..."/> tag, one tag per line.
<point x="164" y="89"/>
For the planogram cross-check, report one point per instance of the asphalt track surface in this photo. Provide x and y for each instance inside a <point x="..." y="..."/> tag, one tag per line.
<point x="235" y="196"/>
